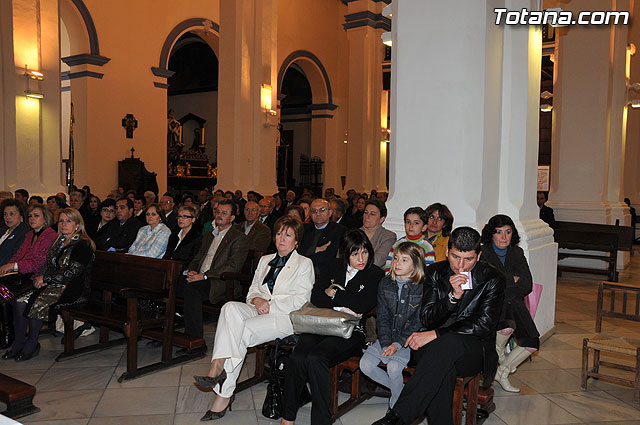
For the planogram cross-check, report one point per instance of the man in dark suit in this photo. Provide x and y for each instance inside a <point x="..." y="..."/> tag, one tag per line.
<point x="206" y="211"/>
<point x="222" y="250"/>
<point x="322" y="236"/>
<point x="258" y="235"/>
<point x="167" y="205"/>
<point x="122" y="232"/>
<point x="340" y="216"/>
<point x="546" y="213"/>
<point x="460" y="323"/>
<point x="266" y="212"/>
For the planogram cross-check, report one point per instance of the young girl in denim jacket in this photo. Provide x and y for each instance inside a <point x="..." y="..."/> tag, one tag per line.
<point x="397" y="317"/>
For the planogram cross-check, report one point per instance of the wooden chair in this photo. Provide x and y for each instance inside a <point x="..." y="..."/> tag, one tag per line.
<point x="623" y="303"/>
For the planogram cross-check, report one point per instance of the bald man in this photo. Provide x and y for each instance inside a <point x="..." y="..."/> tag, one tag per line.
<point x="321" y="236"/>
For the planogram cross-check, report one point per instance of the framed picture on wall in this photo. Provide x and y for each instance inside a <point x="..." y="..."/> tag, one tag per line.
<point x="543" y="178"/>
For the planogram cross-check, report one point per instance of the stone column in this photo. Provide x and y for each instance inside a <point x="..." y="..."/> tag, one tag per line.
<point x="246" y="148"/>
<point x="588" y="133"/>
<point x="31" y="127"/>
<point x="465" y="132"/>
<point x="364" y="25"/>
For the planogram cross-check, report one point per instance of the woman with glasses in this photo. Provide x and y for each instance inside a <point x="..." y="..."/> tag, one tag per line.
<point x="98" y="225"/>
<point x="184" y="241"/>
<point x="153" y="238"/>
<point x="439" y="226"/>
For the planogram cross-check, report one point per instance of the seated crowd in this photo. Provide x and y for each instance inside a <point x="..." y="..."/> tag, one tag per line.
<point x="439" y="306"/>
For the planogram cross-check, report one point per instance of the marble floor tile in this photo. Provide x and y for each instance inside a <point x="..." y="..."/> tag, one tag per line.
<point x="596" y="406"/>
<point x="566" y="328"/>
<point x="548" y="381"/>
<point x="372" y="413"/>
<point x="109" y="357"/>
<point x="55" y="405"/>
<point x="29" y="376"/>
<point x="563" y="358"/>
<point x="134" y="402"/>
<point x="84" y="421"/>
<point x="531" y="409"/>
<point x="163" y="378"/>
<point x="80" y="378"/>
<point x="524" y="388"/>
<point x="241" y="417"/>
<point x="134" y="420"/>
<point x="537" y="363"/>
<point x="626" y="395"/>
<point x="554" y="343"/>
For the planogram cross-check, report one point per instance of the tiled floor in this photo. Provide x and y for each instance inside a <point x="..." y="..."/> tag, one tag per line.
<point x="86" y="391"/>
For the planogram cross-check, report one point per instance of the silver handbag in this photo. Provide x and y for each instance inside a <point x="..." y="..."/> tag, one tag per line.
<point x="323" y="321"/>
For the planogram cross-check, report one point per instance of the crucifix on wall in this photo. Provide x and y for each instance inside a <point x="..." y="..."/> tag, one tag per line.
<point x="129" y="123"/>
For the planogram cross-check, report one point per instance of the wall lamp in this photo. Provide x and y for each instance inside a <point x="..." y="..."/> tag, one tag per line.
<point x="32" y="75"/>
<point x="634" y="103"/>
<point x="545" y="107"/>
<point x="386" y="38"/>
<point x="265" y="104"/>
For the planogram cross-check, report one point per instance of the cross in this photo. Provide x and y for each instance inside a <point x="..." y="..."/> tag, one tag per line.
<point x="129" y="123"/>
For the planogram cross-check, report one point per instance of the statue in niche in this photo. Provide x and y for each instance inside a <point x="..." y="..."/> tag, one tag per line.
<point x="198" y="142"/>
<point x="174" y="130"/>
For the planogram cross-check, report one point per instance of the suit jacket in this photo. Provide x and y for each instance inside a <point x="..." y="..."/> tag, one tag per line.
<point x="349" y="222"/>
<point x="332" y="233"/>
<point x="171" y="220"/>
<point x="11" y="245"/>
<point x="546" y="215"/>
<point x="230" y="257"/>
<point x="292" y="288"/>
<point x="270" y="221"/>
<point x="382" y="242"/>
<point x="188" y="248"/>
<point x="118" y="236"/>
<point x="259" y="237"/>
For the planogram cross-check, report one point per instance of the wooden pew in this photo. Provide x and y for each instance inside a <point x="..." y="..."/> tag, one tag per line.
<point x="131" y="278"/>
<point x="18" y="396"/>
<point x="608" y="239"/>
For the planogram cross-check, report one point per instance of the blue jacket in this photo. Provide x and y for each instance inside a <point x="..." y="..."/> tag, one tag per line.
<point x="396" y="321"/>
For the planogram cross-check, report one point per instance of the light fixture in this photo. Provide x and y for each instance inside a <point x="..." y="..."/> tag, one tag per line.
<point x="33" y="94"/>
<point x="265" y="104"/>
<point x="386" y="38"/>
<point x="34" y="75"/>
<point x="635" y="86"/>
<point x="545" y="107"/>
<point x="386" y="11"/>
<point x="546" y="95"/>
<point x="635" y="103"/>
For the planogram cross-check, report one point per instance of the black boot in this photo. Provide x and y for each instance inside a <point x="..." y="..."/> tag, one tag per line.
<point x="6" y="318"/>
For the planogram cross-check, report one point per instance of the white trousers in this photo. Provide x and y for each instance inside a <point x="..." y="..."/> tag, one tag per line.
<point x="239" y="327"/>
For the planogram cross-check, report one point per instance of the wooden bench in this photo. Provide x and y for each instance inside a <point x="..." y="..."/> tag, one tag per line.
<point x="608" y="239"/>
<point x="18" y="396"/>
<point x="622" y="302"/>
<point x="131" y="278"/>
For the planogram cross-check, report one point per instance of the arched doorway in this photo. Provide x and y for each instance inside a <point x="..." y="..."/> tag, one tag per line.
<point x="295" y="132"/>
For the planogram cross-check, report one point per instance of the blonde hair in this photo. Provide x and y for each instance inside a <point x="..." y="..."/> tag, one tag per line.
<point x="416" y="253"/>
<point x="75" y="216"/>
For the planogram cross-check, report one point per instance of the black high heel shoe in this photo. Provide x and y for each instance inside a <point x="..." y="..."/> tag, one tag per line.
<point x="209" y="382"/>
<point x="212" y="416"/>
<point x="8" y="355"/>
<point x="22" y="357"/>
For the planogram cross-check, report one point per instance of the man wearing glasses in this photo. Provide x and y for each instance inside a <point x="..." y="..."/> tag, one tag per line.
<point x="321" y="236"/>
<point x="258" y="235"/>
<point x="223" y="250"/>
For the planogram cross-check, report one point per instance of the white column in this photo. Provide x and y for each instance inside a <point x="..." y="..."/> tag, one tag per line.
<point x="467" y="134"/>
<point x="246" y="148"/>
<point x="589" y="123"/>
<point x="31" y="134"/>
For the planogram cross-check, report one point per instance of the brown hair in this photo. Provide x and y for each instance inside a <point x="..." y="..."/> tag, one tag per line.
<point x="287" y="221"/>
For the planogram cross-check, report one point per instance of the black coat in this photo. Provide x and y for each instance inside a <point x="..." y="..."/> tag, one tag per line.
<point x="188" y="248"/>
<point x="11" y="245"/>
<point x="171" y="220"/>
<point x="546" y="215"/>
<point x="515" y="264"/>
<point x="332" y="233"/>
<point x="118" y="236"/>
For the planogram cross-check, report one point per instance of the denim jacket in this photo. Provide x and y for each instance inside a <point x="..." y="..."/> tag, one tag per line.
<point x="396" y="321"/>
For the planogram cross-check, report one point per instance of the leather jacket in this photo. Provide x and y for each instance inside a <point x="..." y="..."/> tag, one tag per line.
<point x="476" y="314"/>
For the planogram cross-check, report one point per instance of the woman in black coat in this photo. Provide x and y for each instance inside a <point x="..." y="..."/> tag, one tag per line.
<point x="314" y="355"/>
<point x="500" y="248"/>
<point x="184" y="241"/>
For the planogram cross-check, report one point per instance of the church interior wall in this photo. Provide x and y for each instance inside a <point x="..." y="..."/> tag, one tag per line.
<point x="204" y="105"/>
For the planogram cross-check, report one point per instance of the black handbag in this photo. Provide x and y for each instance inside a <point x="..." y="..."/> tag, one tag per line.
<point x="12" y="285"/>
<point x="272" y="406"/>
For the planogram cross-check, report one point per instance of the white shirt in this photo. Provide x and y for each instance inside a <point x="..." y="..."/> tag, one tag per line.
<point x="218" y="235"/>
<point x="248" y="227"/>
<point x="351" y="273"/>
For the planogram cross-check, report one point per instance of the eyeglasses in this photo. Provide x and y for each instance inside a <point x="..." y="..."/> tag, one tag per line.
<point x="108" y="210"/>
<point x="435" y="217"/>
<point x="184" y="216"/>
<point x="222" y="213"/>
<point x="318" y="210"/>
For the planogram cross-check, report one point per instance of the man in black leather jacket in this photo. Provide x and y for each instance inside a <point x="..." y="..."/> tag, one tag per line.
<point x="458" y="321"/>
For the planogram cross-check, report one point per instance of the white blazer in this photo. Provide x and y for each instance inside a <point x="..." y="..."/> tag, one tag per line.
<point x="292" y="288"/>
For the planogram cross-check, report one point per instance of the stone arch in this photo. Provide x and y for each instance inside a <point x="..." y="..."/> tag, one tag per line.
<point x="201" y="26"/>
<point x="80" y="26"/>
<point x="315" y="73"/>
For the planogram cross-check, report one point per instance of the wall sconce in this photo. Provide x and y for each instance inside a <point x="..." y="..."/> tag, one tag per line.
<point x="386" y="38"/>
<point x="265" y="104"/>
<point x="546" y="95"/>
<point x="545" y="107"/>
<point x="631" y="48"/>
<point x="345" y="141"/>
<point x="635" y="103"/>
<point x="32" y="75"/>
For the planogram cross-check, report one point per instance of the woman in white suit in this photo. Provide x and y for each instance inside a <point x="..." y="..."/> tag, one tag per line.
<point x="282" y="283"/>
